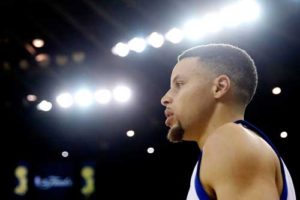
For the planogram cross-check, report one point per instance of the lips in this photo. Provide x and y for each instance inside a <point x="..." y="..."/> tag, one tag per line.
<point x="169" y="117"/>
<point x="169" y="121"/>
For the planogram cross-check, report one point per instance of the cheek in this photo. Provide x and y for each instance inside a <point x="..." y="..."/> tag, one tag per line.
<point x="194" y="105"/>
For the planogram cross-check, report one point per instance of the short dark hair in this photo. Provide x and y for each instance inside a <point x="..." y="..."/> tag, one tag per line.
<point x="232" y="61"/>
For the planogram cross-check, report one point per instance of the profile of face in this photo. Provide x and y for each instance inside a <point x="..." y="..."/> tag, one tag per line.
<point x="189" y="101"/>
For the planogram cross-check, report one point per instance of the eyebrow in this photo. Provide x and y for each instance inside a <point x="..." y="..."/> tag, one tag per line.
<point x="175" y="78"/>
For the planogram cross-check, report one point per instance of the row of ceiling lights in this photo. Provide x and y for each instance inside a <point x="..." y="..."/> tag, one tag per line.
<point x="84" y="98"/>
<point x="243" y="11"/>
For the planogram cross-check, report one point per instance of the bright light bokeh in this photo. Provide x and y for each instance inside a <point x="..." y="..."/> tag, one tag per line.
<point x="65" y="100"/>
<point x="42" y="57"/>
<point x="65" y="154"/>
<point x="130" y="133"/>
<point x="174" y="35"/>
<point x="44" y="106"/>
<point x="276" y="90"/>
<point x="121" y="94"/>
<point x="137" y="44"/>
<point x="121" y="49"/>
<point x="38" y="43"/>
<point x="61" y="60"/>
<point x="229" y="16"/>
<point x="211" y="23"/>
<point x="78" y="57"/>
<point x="193" y="30"/>
<point x="103" y="96"/>
<point x="242" y="11"/>
<point x="24" y="64"/>
<point x="155" y="39"/>
<point x="31" y="98"/>
<point x="84" y="97"/>
<point x="150" y="150"/>
<point x="283" y="134"/>
<point x="248" y="10"/>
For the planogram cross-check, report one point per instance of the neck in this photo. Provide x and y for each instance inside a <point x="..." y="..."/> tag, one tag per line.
<point x="223" y="114"/>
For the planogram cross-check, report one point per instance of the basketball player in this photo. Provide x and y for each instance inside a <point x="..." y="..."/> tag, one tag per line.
<point x="211" y="86"/>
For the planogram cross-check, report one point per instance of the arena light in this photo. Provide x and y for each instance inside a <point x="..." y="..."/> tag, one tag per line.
<point x="283" y="134"/>
<point x="276" y="90"/>
<point x="103" y="96"/>
<point x="78" y="57"/>
<point x="121" y="94"/>
<point x="242" y="11"/>
<point x="211" y="23"/>
<point x="155" y="39"/>
<point x="130" y="133"/>
<point x="121" y="49"/>
<point x="193" y="30"/>
<point x="65" y="154"/>
<point x="137" y="44"/>
<point x="31" y="97"/>
<point x="24" y="64"/>
<point x="30" y="49"/>
<point x="65" y="100"/>
<point x="44" y="106"/>
<point x="229" y="16"/>
<point x="42" y="57"/>
<point x="150" y="150"/>
<point x="174" y="35"/>
<point x="61" y="60"/>
<point x="84" y="98"/>
<point x="38" y="43"/>
<point x="248" y="10"/>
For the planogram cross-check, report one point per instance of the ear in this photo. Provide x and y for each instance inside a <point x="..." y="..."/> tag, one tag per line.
<point x="221" y="86"/>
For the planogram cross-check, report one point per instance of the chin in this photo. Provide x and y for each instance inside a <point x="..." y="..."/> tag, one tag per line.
<point x="176" y="133"/>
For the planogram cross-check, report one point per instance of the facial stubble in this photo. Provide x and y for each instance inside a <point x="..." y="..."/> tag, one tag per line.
<point x="175" y="133"/>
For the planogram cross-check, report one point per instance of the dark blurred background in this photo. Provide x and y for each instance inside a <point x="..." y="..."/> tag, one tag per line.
<point x="55" y="154"/>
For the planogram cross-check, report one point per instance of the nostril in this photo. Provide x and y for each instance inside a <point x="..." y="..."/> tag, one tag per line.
<point x="164" y="101"/>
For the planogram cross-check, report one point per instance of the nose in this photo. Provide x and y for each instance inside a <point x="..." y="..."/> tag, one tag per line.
<point x="166" y="99"/>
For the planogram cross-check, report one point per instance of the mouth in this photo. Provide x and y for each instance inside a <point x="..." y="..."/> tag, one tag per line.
<point x="169" y="121"/>
<point x="169" y="118"/>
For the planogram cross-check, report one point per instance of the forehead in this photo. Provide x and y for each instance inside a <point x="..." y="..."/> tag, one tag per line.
<point x="187" y="67"/>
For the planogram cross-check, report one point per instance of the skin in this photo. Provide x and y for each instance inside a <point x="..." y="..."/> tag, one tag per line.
<point x="236" y="163"/>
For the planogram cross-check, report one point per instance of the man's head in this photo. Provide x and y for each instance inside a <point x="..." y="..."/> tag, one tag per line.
<point x="204" y="77"/>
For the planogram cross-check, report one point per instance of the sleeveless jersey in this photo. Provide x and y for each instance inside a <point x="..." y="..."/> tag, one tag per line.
<point x="197" y="192"/>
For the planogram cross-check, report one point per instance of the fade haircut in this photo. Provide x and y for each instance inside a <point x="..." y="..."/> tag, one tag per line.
<point x="229" y="60"/>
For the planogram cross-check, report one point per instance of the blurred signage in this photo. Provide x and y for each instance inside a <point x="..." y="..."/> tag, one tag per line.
<point x="55" y="180"/>
<point x="52" y="182"/>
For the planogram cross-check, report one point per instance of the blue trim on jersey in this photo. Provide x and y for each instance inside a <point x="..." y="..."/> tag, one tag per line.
<point x="265" y="137"/>
<point x="199" y="188"/>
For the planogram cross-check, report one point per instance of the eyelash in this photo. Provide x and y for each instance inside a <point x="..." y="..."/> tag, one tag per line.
<point x="178" y="84"/>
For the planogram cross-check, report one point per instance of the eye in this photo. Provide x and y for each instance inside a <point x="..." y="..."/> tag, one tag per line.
<point x="179" y="84"/>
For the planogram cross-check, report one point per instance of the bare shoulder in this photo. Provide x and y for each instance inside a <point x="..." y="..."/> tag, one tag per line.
<point x="237" y="155"/>
<point x="236" y="142"/>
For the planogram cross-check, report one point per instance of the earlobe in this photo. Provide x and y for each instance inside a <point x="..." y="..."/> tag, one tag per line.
<point x="221" y="86"/>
